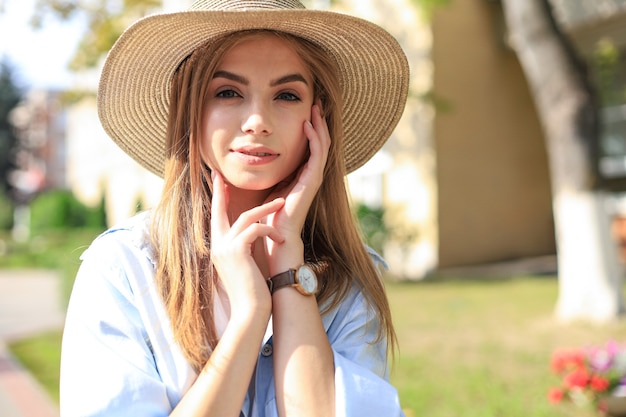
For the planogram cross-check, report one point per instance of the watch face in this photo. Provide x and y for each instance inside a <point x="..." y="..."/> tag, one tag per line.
<point x="308" y="279"/>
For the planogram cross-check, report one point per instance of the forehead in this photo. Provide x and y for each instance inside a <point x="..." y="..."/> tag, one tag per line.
<point x="265" y="49"/>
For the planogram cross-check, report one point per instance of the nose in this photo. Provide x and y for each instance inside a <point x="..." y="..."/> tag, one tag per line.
<point x="257" y="120"/>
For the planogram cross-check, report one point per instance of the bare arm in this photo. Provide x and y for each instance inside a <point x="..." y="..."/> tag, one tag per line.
<point x="303" y="358"/>
<point x="221" y="387"/>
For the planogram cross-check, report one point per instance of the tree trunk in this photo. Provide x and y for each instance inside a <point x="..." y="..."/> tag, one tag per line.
<point x="589" y="270"/>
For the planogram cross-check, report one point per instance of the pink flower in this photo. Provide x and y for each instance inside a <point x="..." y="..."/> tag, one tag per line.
<point x="555" y="395"/>
<point x="601" y="358"/>
<point x="587" y="374"/>
<point x="565" y="359"/>
<point x="599" y="383"/>
<point x="578" y="378"/>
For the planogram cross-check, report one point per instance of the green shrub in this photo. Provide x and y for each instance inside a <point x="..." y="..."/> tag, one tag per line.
<point x="6" y="212"/>
<point x="59" y="209"/>
<point x="373" y="226"/>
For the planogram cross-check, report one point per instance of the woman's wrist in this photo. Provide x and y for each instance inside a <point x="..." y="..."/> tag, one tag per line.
<point x="287" y="255"/>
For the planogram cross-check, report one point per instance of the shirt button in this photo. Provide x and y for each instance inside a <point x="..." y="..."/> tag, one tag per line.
<point x="267" y="350"/>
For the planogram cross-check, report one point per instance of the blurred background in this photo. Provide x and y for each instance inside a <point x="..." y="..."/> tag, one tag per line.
<point x="498" y="202"/>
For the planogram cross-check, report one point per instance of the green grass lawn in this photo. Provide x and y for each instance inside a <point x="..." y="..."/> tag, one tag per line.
<point x="41" y="355"/>
<point x="470" y="348"/>
<point x="474" y="348"/>
<point x="482" y="348"/>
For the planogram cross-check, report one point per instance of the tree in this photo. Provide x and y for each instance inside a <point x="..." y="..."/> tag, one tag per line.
<point x="105" y="19"/>
<point x="10" y="96"/>
<point x="589" y="271"/>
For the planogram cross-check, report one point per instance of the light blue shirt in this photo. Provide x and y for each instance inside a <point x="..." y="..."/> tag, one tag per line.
<point x="119" y="357"/>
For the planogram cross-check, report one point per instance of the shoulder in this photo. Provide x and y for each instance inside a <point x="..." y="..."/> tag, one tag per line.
<point x="376" y="258"/>
<point x="354" y="307"/>
<point x="129" y="238"/>
<point x="120" y="260"/>
<point x="355" y="298"/>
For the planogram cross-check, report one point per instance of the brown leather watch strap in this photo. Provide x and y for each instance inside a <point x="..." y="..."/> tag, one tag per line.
<point x="284" y="279"/>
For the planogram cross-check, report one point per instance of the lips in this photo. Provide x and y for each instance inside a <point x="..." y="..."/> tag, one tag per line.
<point x="259" y="151"/>
<point x="255" y="155"/>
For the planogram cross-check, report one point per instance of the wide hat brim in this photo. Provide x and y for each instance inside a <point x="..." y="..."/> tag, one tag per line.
<point x="133" y="95"/>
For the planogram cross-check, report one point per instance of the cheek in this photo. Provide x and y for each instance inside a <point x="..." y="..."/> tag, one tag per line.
<point x="207" y="152"/>
<point x="304" y="148"/>
<point x="300" y="152"/>
<point x="214" y="131"/>
<point x="302" y="143"/>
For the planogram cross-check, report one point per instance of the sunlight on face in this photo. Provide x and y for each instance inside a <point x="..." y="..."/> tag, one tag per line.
<point x="253" y="122"/>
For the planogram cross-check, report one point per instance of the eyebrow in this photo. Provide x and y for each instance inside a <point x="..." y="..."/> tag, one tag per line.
<point x="231" y="76"/>
<point x="243" y="80"/>
<point x="289" y="78"/>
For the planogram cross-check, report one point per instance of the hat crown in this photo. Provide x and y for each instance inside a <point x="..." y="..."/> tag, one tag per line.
<point x="226" y="5"/>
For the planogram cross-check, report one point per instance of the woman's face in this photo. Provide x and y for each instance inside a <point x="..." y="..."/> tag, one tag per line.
<point x="253" y="123"/>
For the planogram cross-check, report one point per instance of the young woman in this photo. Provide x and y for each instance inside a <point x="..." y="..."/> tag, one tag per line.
<point x="247" y="291"/>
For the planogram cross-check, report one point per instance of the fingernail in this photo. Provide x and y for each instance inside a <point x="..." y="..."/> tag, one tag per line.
<point x="213" y="174"/>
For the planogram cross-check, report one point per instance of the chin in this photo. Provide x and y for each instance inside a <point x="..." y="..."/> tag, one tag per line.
<point x="254" y="185"/>
<point x="260" y="188"/>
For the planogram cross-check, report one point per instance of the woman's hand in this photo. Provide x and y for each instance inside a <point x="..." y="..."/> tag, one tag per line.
<point x="232" y="250"/>
<point x="298" y="196"/>
<point x="302" y="351"/>
<point x="221" y="386"/>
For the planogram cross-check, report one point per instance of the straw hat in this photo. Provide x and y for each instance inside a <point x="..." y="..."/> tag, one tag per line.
<point x="133" y="96"/>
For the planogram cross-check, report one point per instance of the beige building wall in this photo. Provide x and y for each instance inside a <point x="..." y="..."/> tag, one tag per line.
<point x="97" y="167"/>
<point x="493" y="180"/>
<point x="403" y="175"/>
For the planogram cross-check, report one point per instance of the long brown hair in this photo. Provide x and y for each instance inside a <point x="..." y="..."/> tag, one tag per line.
<point x="181" y="227"/>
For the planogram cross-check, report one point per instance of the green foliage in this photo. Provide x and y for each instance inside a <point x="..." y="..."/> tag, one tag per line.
<point x="428" y="7"/>
<point x="10" y="96"/>
<point x="59" y="209"/>
<point x="439" y="103"/>
<point x="605" y="63"/>
<point x="58" y="250"/>
<point x="6" y="211"/>
<point x="372" y="225"/>
<point x="106" y="19"/>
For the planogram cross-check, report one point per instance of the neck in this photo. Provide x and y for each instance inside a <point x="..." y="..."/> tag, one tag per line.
<point x="240" y="200"/>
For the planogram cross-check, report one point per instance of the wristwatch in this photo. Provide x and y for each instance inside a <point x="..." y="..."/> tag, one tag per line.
<point x="302" y="279"/>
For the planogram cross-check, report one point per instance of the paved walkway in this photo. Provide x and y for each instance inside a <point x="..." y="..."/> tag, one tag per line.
<point x="29" y="304"/>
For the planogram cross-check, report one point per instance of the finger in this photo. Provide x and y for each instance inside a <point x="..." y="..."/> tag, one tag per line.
<point x="266" y="231"/>
<point x="324" y="132"/>
<point x="256" y="215"/>
<point x="319" y="140"/>
<point x="319" y="122"/>
<point x="246" y="238"/>
<point x="320" y="127"/>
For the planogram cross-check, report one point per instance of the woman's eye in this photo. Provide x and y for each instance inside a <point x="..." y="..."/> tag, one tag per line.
<point x="227" y="94"/>
<point x="288" y="97"/>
